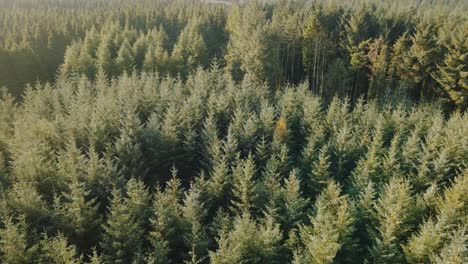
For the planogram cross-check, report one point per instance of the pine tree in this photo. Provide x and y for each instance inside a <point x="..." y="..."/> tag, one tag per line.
<point x="451" y="73"/>
<point x="249" y="242"/>
<point x="194" y="213"/>
<point x="378" y="57"/>
<point x="295" y="204"/>
<point x="14" y="246"/>
<point x="122" y="239"/>
<point x="393" y="213"/>
<point x="57" y="250"/>
<point x="220" y="182"/>
<point x="169" y="228"/>
<point x="125" y="60"/>
<point x="249" y="51"/>
<point x="455" y="251"/>
<point x="79" y="214"/>
<point x="190" y="50"/>
<point x="86" y="62"/>
<point x="432" y="233"/>
<point x="128" y="153"/>
<point x="71" y="59"/>
<point x="244" y="187"/>
<point x="104" y="58"/>
<point x="329" y="228"/>
<point x="320" y="174"/>
<point x="139" y="49"/>
<point x="421" y="60"/>
<point x="157" y="58"/>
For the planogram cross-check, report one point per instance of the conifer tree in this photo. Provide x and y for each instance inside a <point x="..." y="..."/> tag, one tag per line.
<point x="329" y="228"/>
<point x="249" y="242"/>
<point x="122" y="239"/>
<point x="190" y="49"/>
<point x="57" y="250"/>
<point x="169" y="228"/>
<point x="194" y="213"/>
<point x="248" y="49"/>
<point x="451" y="73"/>
<point x="125" y="60"/>
<point x="220" y="182"/>
<point x="244" y="187"/>
<point x="393" y="212"/>
<point x="455" y="250"/>
<point x="138" y="49"/>
<point x="432" y="233"/>
<point x="14" y="245"/>
<point x="320" y="174"/>
<point x="71" y="59"/>
<point x="157" y="58"/>
<point x="378" y="57"/>
<point x="422" y="58"/>
<point x="295" y="204"/>
<point x="79" y="215"/>
<point x="104" y="58"/>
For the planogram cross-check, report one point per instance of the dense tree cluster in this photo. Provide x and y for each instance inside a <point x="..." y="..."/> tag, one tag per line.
<point x="415" y="49"/>
<point x="193" y="131"/>
<point x="152" y="169"/>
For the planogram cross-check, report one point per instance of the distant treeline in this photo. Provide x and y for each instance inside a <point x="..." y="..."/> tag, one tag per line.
<point x="384" y="50"/>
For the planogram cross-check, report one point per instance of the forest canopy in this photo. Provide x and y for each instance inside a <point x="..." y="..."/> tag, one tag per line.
<point x="412" y="50"/>
<point x="233" y="132"/>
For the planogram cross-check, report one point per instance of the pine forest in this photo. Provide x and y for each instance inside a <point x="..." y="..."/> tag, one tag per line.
<point x="233" y="132"/>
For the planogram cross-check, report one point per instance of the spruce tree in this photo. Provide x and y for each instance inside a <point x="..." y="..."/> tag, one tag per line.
<point x="249" y="242"/>
<point x="122" y="239"/>
<point x="57" y="250"/>
<point x="451" y="73"/>
<point x="394" y="212"/>
<point x="14" y="245"/>
<point x="190" y="49"/>
<point x="125" y="60"/>
<point x="329" y="228"/>
<point x="104" y="58"/>
<point x="169" y="228"/>
<point x="295" y="203"/>
<point x="79" y="215"/>
<point x="244" y="186"/>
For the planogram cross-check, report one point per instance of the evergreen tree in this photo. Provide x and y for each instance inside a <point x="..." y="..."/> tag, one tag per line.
<point x="57" y="250"/>
<point x="139" y="48"/>
<point x="393" y="213"/>
<point x="378" y="57"/>
<point x="421" y="59"/>
<point x="329" y="228"/>
<point x="125" y="60"/>
<point x="190" y="50"/>
<point x="295" y="204"/>
<point x="104" y="58"/>
<point x="320" y="174"/>
<point x="244" y="189"/>
<point x="249" y="51"/>
<point x="249" y="242"/>
<point x="14" y="245"/>
<point x="451" y="73"/>
<point x="169" y="228"/>
<point x="79" y="215"/>
<point x="433" y="234"/>
<point x="122" y="239"/>
<point x="194" y="213"/>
